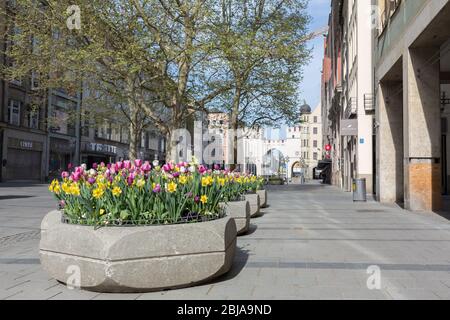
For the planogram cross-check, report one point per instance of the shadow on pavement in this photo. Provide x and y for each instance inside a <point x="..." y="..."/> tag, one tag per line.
<point x="239" y="262"/>
<point x="10" y="197"/>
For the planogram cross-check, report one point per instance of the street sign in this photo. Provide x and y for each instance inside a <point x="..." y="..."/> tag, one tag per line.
<point x="349" y="127"/>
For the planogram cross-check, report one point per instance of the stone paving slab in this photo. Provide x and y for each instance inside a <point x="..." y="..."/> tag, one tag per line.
<point x="312" y="242"/>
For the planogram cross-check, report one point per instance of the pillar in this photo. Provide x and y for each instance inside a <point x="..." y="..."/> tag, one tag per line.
<point x="390" y="142"/>
<point x="422" y="129"/>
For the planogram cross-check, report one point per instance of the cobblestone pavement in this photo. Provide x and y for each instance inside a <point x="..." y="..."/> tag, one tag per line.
<point x="312" y="242"/>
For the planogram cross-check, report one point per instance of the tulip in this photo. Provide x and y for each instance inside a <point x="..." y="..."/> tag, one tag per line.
<point x="107" y="173"/>
<point x="94" y="165"/>
<point x="138" y="163"/>
<point x="102" y="164"/>
<point x="76" y="176"/>
<point x="91" y="180"/>
<point x="183" y="169"/>
<point x="196" y="199"/>
<point x="119" y="165"/>
<point x="64" y="175"/>
<point x="127" y="164"/>
<point x="157" y="188"/>
<point x="166" y="168"/>
<point x="69" y="166"/>
<point x="201" y="169"/>
<point x="109" y="165"/>
<point x="176" y="174"/>
<point x="130" y="180"/>
<point x="83" y="166"/>
<point x="216" y="167"/>
<point x="146" y="167"/>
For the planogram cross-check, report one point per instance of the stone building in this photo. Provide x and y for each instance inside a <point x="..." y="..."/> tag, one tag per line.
<point x="412" y="85"/>
<point x="347" y="99"/>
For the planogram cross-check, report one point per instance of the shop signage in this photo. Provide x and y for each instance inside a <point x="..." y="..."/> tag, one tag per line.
<point x="349" y="127"/>
<point x="24" y="144"/>
<point x="62" y="146"/>
<point x="101" y="148"/>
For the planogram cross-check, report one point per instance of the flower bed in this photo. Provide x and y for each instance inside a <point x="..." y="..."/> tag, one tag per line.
<point x="168" y="224"/>
<point x="126" y="193"/>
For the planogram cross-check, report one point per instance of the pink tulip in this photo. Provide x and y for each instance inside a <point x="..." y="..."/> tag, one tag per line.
<point x="64" y="175"/>
<point x="119" y="165"/>
<point x="76" y="176"/>
<point x="130" y="180"/>
<point x="69" y="166"/>
<point x="201" y="169"/>
<point x="102" y="164"/>
<point x="94" y="165"/>
<point x="146" y="167"/>
<point x="109" y="165"/>
<point x="138" y="163"/>
<point x="166" y="168"/>
<point x="127" y="164"/>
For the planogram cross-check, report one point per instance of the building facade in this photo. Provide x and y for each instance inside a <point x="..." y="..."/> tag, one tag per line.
<point x="347" y="99"/>
<point x="412" y="83"/>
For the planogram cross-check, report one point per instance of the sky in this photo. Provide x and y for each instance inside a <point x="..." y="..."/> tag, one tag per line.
<point x="309" y="88"/>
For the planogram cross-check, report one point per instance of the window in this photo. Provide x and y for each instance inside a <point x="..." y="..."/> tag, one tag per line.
<point x="315" y="155"/>
<point x="315" y="130"/>
<point x="293" y="136"/>
<point x="14" y="112"/>
<point x="33" y="119"/>
<point x="315" y="119"/>
<point x="315" y="143"/>
<point x="34" y="81"/>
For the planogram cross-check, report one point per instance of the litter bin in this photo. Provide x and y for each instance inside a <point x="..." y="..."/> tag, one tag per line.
<point x="359" y="190"/>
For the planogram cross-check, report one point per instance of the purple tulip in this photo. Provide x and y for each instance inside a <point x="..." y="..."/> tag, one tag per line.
<point x="119" y="165"/>
<point x="176" y="174"/>
<point x="216" y="167"/>
<point x="201" y="169"/>
<point x="157" y="188"/>
<point x="95" y="165"/>
<point x="69" y="166"/>
<point x="107" y="173"/>
<point x="91" y="180"/>
<point x="127" y="164"/>
<point x="109" y="165"/>
<point x="102" y="164"/>
<point x="64" y="175"/>
<point x="166" y="168"/>
<point x="138" y="163"/>
<point x="130" y="180"/>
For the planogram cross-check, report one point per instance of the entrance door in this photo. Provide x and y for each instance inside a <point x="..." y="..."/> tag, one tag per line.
<point x="23" y="165"/>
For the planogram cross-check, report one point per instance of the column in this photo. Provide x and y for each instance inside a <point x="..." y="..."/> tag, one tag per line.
<point x="422" y="129"/>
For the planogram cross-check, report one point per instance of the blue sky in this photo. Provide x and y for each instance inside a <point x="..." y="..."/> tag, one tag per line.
<point x="309" y="88"/>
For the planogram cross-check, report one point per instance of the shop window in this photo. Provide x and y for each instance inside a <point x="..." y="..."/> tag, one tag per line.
<point x="14" y="112"/>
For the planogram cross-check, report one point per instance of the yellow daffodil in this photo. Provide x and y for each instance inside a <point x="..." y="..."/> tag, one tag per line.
<point x="116" y="191"/>
<point x="183" y="179"/>
<point x="98" y="193"/>
<point x="74" y="190"/>
<point x="65" y="187"/>
<point x="221" y="181"/>
<point x="172" y="187"/>
<point x="204" y="199"/>
<point x="102" y="212"/>
<point x="207" y="181"/>
<point x="140" y="183"/>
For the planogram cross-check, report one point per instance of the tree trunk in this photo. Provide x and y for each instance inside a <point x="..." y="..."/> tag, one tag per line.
<point x="134" y="131"/>
<point x="170" y="149"/>
<point x="234" y="125"/>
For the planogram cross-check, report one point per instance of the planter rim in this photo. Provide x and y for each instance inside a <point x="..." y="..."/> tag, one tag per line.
<point x="223" y="215"/>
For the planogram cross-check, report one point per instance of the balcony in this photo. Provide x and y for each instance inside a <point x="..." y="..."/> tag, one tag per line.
<point x="352" y="108"/>
<point x="369" y="102"/>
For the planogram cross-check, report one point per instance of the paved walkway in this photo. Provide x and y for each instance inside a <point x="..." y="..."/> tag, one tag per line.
<point x="313" y="242"/>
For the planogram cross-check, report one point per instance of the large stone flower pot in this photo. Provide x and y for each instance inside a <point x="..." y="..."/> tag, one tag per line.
<point x="253" y="199"/>
<point x="137" y="259"/>
<point x="262" y="197"/>
<point x="240" y="212"/>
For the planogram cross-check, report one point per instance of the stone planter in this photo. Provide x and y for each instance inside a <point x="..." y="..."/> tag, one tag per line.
<point x="240" y="212"/>
<point x="262" y="198"/>
<point x="137" y="259"/>
<point x="253" y="199"/>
